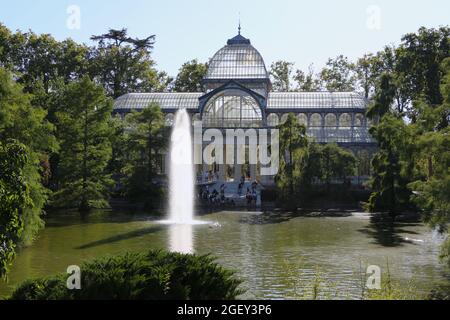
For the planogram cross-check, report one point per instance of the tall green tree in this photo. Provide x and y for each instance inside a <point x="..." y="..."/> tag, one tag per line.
<point x="431" y="182"/>
<point x="123" y="64"/>
<point x="14" y="199"/>
<point x="293" y="142"/>
<point x="419" y="58"/>
<point x="383" y="98"/>
<point x="391" y="166"/>
<point x="25" y="123"/>
<point x="190" y="76"/>
<point x="147" y="138"/>
<point x="84" y="134"/>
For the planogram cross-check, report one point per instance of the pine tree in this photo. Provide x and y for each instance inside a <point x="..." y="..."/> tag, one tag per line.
<point x="84" y="133"/>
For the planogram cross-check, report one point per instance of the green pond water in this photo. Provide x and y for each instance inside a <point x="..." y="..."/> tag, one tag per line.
<point x="276" y="254"/>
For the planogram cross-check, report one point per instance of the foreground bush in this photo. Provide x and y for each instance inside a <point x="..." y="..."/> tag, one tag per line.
<point x="154" y="275"/>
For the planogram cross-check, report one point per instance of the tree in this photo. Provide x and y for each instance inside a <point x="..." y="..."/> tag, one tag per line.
<point x="307" y="81"/>
<point x="281" y="72"/>
<point x="147" y="137"/>
<point x="25" y="123"/>
<point x="367" y="73"/>
<point x="432" y="192"/>
<point x="431" y="183"/>
<point x="391" y="166"/>
<point x="336" y="162"/>
<point x="84" y="133"/>
<point x="338" y="74"/>
<point x="293" y="141"/>
<point x="14" y="199"/>
<point x="123" y="64"/>
<point x="383" y="98"/>
<point x="419" y="60"/>
<point x="414" y="68"/>
<point x="190" y="76"/>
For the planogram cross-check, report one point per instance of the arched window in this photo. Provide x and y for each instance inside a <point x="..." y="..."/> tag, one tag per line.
<point x="272" y="120"/>
<point x="302" y="119"/>
<point x="330" y="120"/>
<point x="169" y="119"/>
<point x="284" y="118"/>
<point x="345" y="120"/>
<point x="315" y="120"/>
<point x="232" y="109"/>
<point x="359" y="120"/>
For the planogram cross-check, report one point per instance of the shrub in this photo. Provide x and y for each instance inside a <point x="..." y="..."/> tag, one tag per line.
<point x="138" y="276"/>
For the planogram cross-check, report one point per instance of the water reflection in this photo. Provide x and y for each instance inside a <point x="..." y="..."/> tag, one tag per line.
<point x="277" y="257"/>
<point x="180" y="237"/>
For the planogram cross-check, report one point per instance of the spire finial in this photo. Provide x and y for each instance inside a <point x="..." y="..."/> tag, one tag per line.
<point x="239" y="28"/>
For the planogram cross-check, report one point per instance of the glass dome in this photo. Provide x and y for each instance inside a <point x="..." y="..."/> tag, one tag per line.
<point x="237" y="60"/>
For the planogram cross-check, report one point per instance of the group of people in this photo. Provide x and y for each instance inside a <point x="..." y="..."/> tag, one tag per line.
<point x="214" y="197"/>
<point x="208" y="176"/>
<point x="251" y="194"/>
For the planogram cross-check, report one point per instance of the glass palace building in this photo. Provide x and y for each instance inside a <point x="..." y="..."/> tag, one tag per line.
<point x="237" y="94"/>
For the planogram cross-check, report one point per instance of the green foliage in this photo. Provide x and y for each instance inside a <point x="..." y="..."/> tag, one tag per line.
<point x="14" y="198"/>
<point x="336" y="162"/>
<point x="432" y="192"/>
<point x="155" y="275"/>
<point x="338" y="74"/>
<point x="302" y="161"/>
<point x="123" y="64"/>
<point x="22" y="121"/>
<point x="281" y="72"/>
<point x="84" y="133"/>
<point x="431" y="185"/>
<point x="419" y="59"/>
<point x="413" y="156"/>
<point x="293" y="142"/>
<point x="392" y="290"/>
<point x="384" y="95"/>
<point x="147" y="136"/>
<point x="391" y="166"/>
<point x="367" y="71"/>
<point x="190" y="76"/>
<point x="307" y="81"/>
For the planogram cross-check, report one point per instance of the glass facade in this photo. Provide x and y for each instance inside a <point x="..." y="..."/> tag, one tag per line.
<point x="138" y="101"/>
<point x="316" y="100"/>
<point x="237" y="95"/>
<point x="232" y="110"/>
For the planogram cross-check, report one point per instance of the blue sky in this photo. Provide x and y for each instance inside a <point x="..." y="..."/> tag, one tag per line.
<point x="303" y="32"/>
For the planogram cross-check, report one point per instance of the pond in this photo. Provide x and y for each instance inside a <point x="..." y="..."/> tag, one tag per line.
<point x="277" y="254"/>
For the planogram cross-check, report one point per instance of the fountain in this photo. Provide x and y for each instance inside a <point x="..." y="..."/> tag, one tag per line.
<point x="181" y="186"/>
<point x="181" y="179"/>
